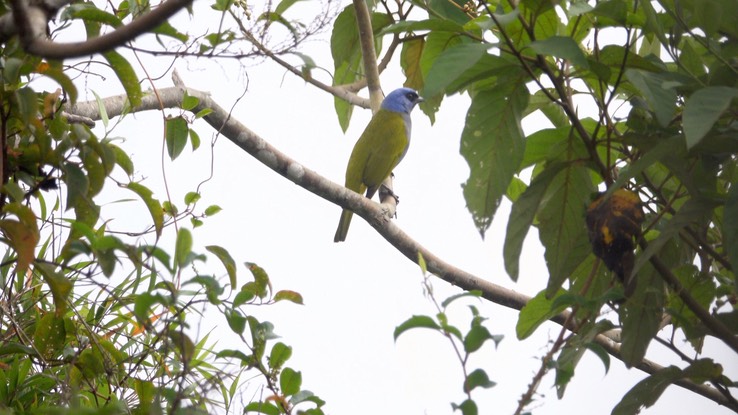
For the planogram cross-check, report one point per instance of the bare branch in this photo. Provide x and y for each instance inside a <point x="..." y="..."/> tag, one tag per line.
<point x="31" y="20"/>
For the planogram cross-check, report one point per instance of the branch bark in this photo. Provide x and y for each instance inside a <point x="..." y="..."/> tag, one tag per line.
<point x="29" y="22"/>
<point x="377" y="215"/>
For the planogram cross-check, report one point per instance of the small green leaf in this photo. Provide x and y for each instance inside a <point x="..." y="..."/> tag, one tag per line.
<point x="287" y="295"/>
<point x="236" y="321"/>
<point x="225" y="258"/>
<point x="290" y="381"/>
<point x="416" y="322"/>
<point x="646" y="392"/>
<point x="176" y="136"/>
<point x="703" y="109"/>
<point x="477" y="378"/>
<point x="155" y="210"/>
<point x="212" y="210"/>
<point x="191" y="197"/>
<point x="473" y="293"/>
<point x="475" y="338"/>
<point x="279" y="355"/>
<point x="194" y="139"/>
<point x="261" y="285"/>
<point x="468" y="407"/>
<point x="183" y="247"/>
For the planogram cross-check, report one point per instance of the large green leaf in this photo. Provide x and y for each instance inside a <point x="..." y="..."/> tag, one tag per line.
<point x="643" y="312"/>
<point x="346" y="52"/>
<point x="493" y="145"/>
<point x="730" y="227"/>
<point x="646" y="392"/>
<point x="561" y="224"/>
<point x="176" y="133"/>
<point x="127" y="76"/>
<point x="521" y="217"/>
<point x="703" y="109"/>
<point x="658" y="90"/>
<point x="450" y="64"/>
<point x="562" y="47"/>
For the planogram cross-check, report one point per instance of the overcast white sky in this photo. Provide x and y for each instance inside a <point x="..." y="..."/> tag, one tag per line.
<point x="358" y="291"/>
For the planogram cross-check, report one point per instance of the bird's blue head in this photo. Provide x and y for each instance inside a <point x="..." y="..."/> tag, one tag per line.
<point x="401" y="100"/>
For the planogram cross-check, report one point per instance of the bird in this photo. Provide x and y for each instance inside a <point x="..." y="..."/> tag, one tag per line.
<point x="379" y="149"/>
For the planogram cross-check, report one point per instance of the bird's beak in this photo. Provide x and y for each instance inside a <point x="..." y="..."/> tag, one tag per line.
<point x="420" y="99"/>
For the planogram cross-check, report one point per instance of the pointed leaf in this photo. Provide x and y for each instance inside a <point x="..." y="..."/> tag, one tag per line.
<point x="225" y="258"/>
<point x="561" y="228"/>
<point x="703" y="109"/>
<point x="492" y="144"/>
<point x="416" y="322"/>
<point x="176" y="136"/>
<point x="658" y="91"/>
<point x="538" y="310"/>
<point x="521" y="217"/>
<point x="450" y="64"/>
<point x="477" y="378"/>
<point x="155" y="210"/>
<point x="290" y="381"/>
<point x="562" y="47"/>
<point x="126" y="75"/>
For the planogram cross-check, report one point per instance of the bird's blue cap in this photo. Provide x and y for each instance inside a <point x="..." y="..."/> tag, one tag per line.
<point x="401" y="100"/>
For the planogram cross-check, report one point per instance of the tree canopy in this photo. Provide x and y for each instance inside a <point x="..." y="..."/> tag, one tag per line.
<point x="628" y="182"/>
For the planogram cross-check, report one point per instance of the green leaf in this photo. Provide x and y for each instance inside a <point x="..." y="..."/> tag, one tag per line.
<point x="183" y="247"/>
<point x="290" y="381"/>
<point x="473" y="293"/>
<point x="50" y="335"/>
<point x="279" y="355"/>
<point x="493" y="145"/>
<point x="262" y="408"/>
<point x="521" y="218"/>
<point x="659" y="92"/>
<point x="562" y="47"/>
<point x="643" y="313"/>
<point x="212" y="210"/>
<point x="56" y="73"/>
<point x="261" y="284"/>
<point x="477" y="378"/>
<point x="77" y="184"/>
<point x="730" y="227"/>
<point x="451" y="64"/>
<point x="415" y="322"/>
<point x="468" y="407"/>
<point x="154" y="206"/>
<point x="236" y="321"/>
<point x="176" y="136"/>
<point x="476" y="337"/>
<point x="60" y="286"/>
<point x="194" y="139"/>
<point x="287" y="295"/>
<point x="225" y="258"/>
<point x="703" y="109"/>
<point x="127" y="76"/>
<point x="538" y="310"/>
<point x="646" y="392"/>
<point x="561" y="226"/>
<point x="412" y="51"/>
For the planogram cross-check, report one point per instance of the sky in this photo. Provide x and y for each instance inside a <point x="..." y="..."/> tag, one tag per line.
<point x="358" y="291"/>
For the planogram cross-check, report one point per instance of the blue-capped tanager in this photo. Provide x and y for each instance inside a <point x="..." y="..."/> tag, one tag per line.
<point x="380" y="148"/>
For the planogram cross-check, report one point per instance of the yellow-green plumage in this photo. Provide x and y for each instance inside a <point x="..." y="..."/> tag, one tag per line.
<point x="380" y="148"/>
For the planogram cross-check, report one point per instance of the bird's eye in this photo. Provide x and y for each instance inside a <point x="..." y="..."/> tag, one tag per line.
<point x="412" y="96"/>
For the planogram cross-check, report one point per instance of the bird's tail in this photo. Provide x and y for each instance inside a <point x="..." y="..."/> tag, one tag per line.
<point x="343" y="226"/>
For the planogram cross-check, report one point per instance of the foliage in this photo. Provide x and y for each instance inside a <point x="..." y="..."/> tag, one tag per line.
<point x="97" y="319"/>
<point x="635" y="96"/>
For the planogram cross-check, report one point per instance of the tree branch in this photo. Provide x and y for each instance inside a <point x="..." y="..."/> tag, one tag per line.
<point x="31" y="20"/>
<point x="377" y="215"/>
